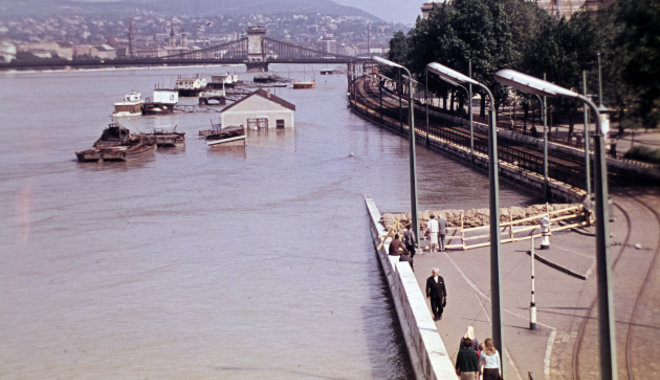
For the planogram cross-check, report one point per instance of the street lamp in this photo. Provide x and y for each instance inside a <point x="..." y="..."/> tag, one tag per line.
<point x="532" y="85"/>
<point x="455" y="78"/>
<point x="544" y="111"/>
<point x="468" y="90"/>
<point x="411" y="129"/>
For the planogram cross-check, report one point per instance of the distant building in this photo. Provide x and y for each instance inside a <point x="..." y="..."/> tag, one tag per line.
<point x="329" y="44"/>
<point x="428" y="7"/>
<point x="260" y="109"/>
<point x="7" y="51"/>
<point x="558" y="8"/>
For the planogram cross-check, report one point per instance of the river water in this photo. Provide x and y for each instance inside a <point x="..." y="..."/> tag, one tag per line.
<point x="245" y="264"/>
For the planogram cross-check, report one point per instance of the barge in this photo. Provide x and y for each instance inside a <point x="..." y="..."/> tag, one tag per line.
<point x="116" y="144"/>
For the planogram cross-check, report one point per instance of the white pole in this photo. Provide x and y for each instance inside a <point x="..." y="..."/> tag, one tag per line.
<point x="532" y="304"/>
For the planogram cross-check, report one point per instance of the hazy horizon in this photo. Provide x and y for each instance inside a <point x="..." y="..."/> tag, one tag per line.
<point x="404" y="12"/>
<point x="397" y="11"/>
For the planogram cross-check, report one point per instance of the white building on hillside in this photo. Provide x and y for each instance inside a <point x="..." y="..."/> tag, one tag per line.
<point x="260" y="109"/>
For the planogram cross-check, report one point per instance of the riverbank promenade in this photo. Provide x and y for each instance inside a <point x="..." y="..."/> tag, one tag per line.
<point x="564" y="342"/>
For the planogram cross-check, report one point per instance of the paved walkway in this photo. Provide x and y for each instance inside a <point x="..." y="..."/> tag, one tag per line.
<point x="565" y="276"/>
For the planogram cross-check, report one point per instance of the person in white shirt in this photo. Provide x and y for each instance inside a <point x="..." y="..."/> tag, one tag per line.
<point x="490" y="361"/>
<point x="433" y="228"/>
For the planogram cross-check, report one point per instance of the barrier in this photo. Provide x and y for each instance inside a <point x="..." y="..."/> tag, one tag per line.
<point x="427" y="351"/>
<point x="461" y="238"/>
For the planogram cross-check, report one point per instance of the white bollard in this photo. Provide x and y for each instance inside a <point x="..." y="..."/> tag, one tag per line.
<point x="545" y="232"/>
<point x="532" y="304"/>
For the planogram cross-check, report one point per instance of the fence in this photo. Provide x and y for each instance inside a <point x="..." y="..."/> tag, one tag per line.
<point x="464" y="238"/>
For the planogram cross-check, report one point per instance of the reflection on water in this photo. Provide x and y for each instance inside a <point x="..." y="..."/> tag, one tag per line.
<point x="249" y="263"/>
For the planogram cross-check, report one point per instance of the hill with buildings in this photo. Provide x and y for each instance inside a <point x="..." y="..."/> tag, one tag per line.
<point x="173" y="8"/>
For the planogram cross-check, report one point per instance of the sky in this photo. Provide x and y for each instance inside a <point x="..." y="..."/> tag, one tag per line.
<point x="403" y="11"/>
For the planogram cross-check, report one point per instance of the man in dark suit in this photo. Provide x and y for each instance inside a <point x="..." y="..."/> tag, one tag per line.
<point x="436" y="291"/>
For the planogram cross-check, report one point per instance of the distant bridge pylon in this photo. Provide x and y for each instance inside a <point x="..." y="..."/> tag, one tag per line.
<point x="257" y="51"/>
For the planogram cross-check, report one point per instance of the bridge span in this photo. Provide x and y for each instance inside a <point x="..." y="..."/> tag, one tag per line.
<point x="255" y="50"/>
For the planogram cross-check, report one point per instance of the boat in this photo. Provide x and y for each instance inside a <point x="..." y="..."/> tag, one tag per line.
<point x="212" y="97"/>
<point x="116" y="144"/>
<point x="190" y="86"/>
<point x="130" y="106"/>
<point x="162" y="102"/>
<point x="164" y="139"/>
<point x="222" y="81"/>
<point x="304" y="84"/>
<point x="228" y="137"/>
<point x="215" y="129"/>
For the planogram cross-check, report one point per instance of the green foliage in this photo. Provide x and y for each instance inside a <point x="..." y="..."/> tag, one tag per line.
<point x="644" y="153"/>
<point x="517" y="34"/>
<point x="638" y="44"/>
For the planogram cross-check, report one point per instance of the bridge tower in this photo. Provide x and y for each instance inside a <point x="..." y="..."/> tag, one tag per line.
<point x="256" y="49"/>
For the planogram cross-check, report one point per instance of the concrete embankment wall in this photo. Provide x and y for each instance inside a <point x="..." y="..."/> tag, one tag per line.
<point x="426" y="349"/>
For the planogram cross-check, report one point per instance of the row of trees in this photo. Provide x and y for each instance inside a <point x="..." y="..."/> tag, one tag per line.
<point x="517" y="34"/>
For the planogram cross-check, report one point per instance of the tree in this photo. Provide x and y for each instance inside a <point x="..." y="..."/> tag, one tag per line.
<point x="638" y="43"/>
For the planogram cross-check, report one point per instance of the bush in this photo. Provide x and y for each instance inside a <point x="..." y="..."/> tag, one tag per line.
<point x="644" y="153"/>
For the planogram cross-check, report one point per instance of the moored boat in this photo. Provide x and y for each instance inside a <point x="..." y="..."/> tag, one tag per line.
<point x="164" y="139"/>
<point x="229" y="137"/>
<point x="116" y="153"/>
<point x="130" y="106"/>
<point x="190" y="86"/>
<point x="116" y="144"/>
<point x="304" y="84"/>
<point x="162" y="102"/>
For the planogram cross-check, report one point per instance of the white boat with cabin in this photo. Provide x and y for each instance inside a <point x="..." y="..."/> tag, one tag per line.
<point x="130" y="106"/>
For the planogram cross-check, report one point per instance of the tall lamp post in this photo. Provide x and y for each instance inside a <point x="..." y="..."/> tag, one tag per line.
<point x="411" y="129"/>
<point x="544" y="108"/>
<point x="468" y="90"/>
<point x="455" y="78"/>
<point x="532" y="85"/>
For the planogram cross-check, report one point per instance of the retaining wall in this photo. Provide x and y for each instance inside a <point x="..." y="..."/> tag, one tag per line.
<point x="427" y="351"/>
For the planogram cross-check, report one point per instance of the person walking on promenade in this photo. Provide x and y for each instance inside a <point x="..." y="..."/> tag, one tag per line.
<point x="437" y="293"/>
<point x="469" y="333"/>
<point x="433" y="228"/>
<point x="491" y="362"/>
<point x="442" y="231"/>
<point x="467" y="363"/>
<point x="396" y="246"/>
<point x="409" y="240"/>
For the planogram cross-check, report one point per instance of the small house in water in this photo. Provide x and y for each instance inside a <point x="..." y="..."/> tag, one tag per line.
<point x="260" y="109"/>
<point x="162" y="102"/>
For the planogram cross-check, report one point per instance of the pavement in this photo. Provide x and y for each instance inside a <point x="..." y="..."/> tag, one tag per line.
<point x="565" y="287"/>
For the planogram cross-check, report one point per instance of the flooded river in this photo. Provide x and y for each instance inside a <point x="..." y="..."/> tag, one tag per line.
<point x="247" y="264"/>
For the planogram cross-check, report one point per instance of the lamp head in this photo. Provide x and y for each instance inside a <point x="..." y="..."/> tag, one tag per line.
<point x="386" y="62"/>
<point x="532" y="85"/>
<point x="450" y="76"/>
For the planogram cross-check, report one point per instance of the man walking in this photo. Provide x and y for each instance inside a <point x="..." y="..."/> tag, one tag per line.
<point x="409" y="240"/>
<point x="437" y="293"/>
<point x="442" y="231"/>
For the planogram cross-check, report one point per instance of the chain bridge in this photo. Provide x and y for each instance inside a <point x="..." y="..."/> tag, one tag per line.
<point x="256" y="51"/>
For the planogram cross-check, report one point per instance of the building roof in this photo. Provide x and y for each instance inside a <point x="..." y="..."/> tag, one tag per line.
<point x="266" y="95"/>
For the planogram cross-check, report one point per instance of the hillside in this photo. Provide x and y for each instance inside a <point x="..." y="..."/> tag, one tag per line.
<point x="10" y="9"/>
